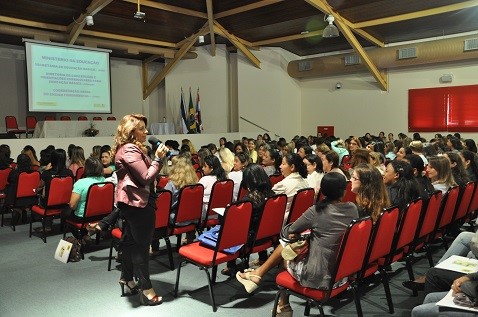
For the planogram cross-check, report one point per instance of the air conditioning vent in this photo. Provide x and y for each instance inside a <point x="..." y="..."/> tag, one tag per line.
<point x="352" y="60"/>
<point x="405" y="53"/>
<point x="305" y="66"/>
<point x="471" y="44"/>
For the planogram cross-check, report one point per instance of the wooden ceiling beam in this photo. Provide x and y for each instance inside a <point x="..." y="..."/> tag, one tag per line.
<point x="237" y="43"/>
<point x="128" y="38"/>
<point x="348" y="34"/>
<point x="33" y="24"/>
<point x="170" y="8"/>
<point x="76" y="27"/>
<point x="159" y="77"/>
<point x="416" y="14"/>
<point x="211" y="26"/>
<point x="252" y="6"/>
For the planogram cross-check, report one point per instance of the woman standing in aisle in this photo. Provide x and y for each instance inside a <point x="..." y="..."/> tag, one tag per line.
<point x="135" y="197"/>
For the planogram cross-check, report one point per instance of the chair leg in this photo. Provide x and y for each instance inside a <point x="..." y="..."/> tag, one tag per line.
<point x="276" y="301"/>
<point x="170" y="253"/>
<point x="356" y="295"/>
<point x="44" y="229"/>
<point x="211" y="293"/>
<point x="177" y="279"/>
<point x="31" y="221"/>
<point x="214" y="274"/>
<point x="12" y="223"/>
<point x="386" y="287"/>
<point x="111" y="255"/>
<point x="429" y="256"/>
<point x="321" y="309"/>
<point x="307" y="308"/>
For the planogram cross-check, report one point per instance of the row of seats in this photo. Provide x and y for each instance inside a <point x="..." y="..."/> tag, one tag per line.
<point x="11" y="124"/>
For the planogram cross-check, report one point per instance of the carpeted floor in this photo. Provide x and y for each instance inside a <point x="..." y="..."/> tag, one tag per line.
<point x="33" y="283"/>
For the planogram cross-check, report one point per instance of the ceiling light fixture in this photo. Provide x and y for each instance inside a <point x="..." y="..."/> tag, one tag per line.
<point x="139" y="15"/>
<point x="330" y="30"/>
<point x="89" y="20"/>
<point x="201" y="39"/>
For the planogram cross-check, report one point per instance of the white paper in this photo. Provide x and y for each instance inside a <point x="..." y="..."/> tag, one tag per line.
<point x="459" y="264"/>
<point x="447" y="301"/>
<point x="219" y="210"/>
<point x="63" y="251"/>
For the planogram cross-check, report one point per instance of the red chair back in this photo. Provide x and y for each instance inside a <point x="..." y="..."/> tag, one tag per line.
<point x="27" y="183"/>
<point x="97" y="118"/>
<point x="431" y="215"/>
<point x="163" y="208"/>
<point x="162" y="181"/>
<point x="59" y="192"/>
<point x="49" y="118"/>
<point x="465" y="199"/>
<point x="448" y="206"/>
<point x="3" y="178"/>
<point x="221" y="196"/>
<point x="65" y="118"/>
<point x="276" y="178"/>
<point x="303" y="199"/>
<point x="111" y="118"/>
<point x="79" y="173"/>
<point x="190" y="203"/>
<point x="272" y="217"/>
<point x="82" y="118"/>
<point x="383" y="234"/>
<point x="409" y="223"/>
<point x="474" y="200"/>
<point x="99" y="199"/>
<point x="242" y="192"/>
<point x="11" y="123"/>
<point x="235" y="225"/>
<point x="199" y="174"/>
<point x="344" y="162"/>
<point x="349" y="195"/>
<point x="31" y="123"/>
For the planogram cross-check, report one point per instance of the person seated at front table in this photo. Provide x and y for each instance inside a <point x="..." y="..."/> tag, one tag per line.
<point x="327" y="220"/>
<point x="93" y="174"/>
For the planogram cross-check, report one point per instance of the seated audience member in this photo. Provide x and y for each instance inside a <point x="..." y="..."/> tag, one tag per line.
<point x="222" y="142"/>
<point x="259" y="189"/>
<point x="454" y="144"/>
<point x="107" y="161"/>
<point x="240" y="162"/>
<point x="294" y="171"/>
<point x="252" y="150"/>
<point x="173" y="147"/>
<point x="339" y="147"/>
<point x="229" y="145"/>
<point x="240" y="147"/>
<point x="5" y="159"/>
<point x="390" y="151"/>
<point x="327" y="220"/>
<point x="45" y="157"/>
<point x="401" y="185"/>
<point x="376" y="159"/>
<point x="402" y="152"/>
<point x="93" y="174"/>
<point x="321" y="149"/>
<point x="315" y="172"/>
<point x="469" y="160"/>
<point x="425" y="187"/>
<point x="95" y="152"/>
<point x="227" y="159"/>
<point x="77" y="159"/>
<point x="24" y="164"/>
<point x="266" y="138"/>
<point x="260" y="152"/>
<point x="188" y="142"/>
<point x="213" y="172"/>
<point x="202" y="153"/>
<point x="457" y="168"/>
<point x="359" y="156"/>
<point x="30" y="152"/>
<point x="304" y="150"/>
<point x="259" y="140"/>
<point x="470" y="145"/>
<point x="330" y="163"/>
<point x="439" y="172"/>
<point x="417" y="148"/>
<point x="372" y="196"/>
<point x="271" y="161"/>
<point x="354" y="144"/>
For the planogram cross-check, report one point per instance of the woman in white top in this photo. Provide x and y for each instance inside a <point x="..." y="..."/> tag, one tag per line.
<point x="271" y="161"/>
<point x="294" y="171"/>
<point x="313" y="163"/>
<point x="439" y="172"/>
<point x="213" y="172"/>
<point x="227" y="159"/>
<point x="240" y="162"/>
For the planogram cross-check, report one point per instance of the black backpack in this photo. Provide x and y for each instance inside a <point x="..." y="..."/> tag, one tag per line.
<point x="75" y="253"/>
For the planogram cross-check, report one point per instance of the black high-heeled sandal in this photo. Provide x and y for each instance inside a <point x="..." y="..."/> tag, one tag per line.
<point x="130" y="290"/>
<point x="145" y="301"/>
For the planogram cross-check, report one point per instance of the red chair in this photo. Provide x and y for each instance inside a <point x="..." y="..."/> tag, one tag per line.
<point x="276" y="178"/>
<point x="116" y="234"/>
<point x="189" y="210"/>
<point x="3" y="184"/>
<point x="379" y="247"/>
<point x="163" y="210"/>
<point x="242" y="192"/>
<point x="11" y="126"/>
<point x="99" y="203"/>
<point x="162" y="181"/>
<point x="111" y="118"/>
<point x="303" y="199"/>
<point x="31" y="123"/>
<point x="65" y="118"/>
<point x="465" y="200"/>
<point x="474" y="201"/>
<point x="79" y="173"/>
<point x="221" y="196"/>
<point x="49" y="118"/>
<point x="199" y="173"/>
<point x="57" y="199"/>
<point x="349" y="195"/>
<point x="25" y="192"/>
<point x="234" y="231"/>
<point x="82" y="118"/>
<point x="349" y="262"/>
<point x="97" y="118"/>
<point x="270" y="225"/>
<point x="447" y="211"/>
<point x="345" y="162"/>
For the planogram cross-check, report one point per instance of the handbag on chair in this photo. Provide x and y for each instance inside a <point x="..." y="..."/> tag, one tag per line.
<point x="297" y="248"/>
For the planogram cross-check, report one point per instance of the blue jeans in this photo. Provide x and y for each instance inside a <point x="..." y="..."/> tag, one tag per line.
<point x="430" y="309"/>
<point x="460" y="246"/>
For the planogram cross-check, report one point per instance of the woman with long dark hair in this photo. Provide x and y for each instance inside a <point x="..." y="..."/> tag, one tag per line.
<point x="470" y="162"/>
<point x="213" y="172"/>
<point x="401" y="185"/>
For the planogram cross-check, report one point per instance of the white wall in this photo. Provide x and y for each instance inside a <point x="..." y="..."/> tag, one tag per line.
<point x="360" y="107"/>
<point x="269" y="97"/>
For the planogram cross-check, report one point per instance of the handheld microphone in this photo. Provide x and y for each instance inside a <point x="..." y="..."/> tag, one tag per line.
<point x="155" y="143"/>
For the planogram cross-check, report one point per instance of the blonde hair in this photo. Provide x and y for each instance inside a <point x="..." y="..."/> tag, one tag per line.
<point x="416" y="146"/>
<point x="182" y="172"/>
<point x="188" y="142"/>
<point x="125" y="132"/>
<point x="227" y="159"/>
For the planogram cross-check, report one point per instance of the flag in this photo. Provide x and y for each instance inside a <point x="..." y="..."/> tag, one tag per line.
<point x="192" y="114"/>
<point x="183" y="119"/>
<point x="199" y="126"/>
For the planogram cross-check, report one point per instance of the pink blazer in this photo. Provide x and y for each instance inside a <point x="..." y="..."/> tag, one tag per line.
<point x="135" y="171"/>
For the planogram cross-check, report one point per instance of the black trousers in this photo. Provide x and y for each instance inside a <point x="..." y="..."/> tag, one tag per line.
<point x="438" y="280"/>
<point x="137" y="233"/>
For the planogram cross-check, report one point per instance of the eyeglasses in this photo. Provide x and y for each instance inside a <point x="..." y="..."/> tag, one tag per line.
<point x="354" y="178"/>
